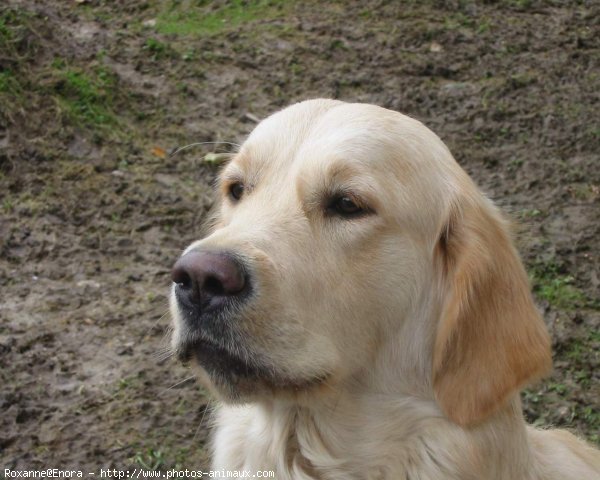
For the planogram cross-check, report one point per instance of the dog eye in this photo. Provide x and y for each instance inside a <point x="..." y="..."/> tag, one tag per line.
<point x="345" y="207"/>
<point x="236" y="190"/>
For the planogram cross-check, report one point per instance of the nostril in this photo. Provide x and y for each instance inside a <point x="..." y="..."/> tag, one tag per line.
<point x="213" y="286"/>
<point x="184" y="281"/>
<point x="182" y="278"/>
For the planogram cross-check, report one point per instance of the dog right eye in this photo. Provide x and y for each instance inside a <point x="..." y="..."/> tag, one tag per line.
<point x="236" y="190"/>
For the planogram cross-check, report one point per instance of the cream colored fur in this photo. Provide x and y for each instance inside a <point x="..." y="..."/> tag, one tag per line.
<point x="412" y="327"/>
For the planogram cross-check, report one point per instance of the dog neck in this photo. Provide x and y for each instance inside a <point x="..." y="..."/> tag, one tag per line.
<point x="378" y="416"/>
<point x="354" y="431"/>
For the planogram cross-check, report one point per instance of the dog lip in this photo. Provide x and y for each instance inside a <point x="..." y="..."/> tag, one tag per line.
<point x="219" y="361"/>
<point x="216" y="359"/>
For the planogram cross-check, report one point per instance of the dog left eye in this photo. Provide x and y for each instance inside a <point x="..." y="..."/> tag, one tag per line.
<point x="345" y="207"/>
<point x="236" y="190"/>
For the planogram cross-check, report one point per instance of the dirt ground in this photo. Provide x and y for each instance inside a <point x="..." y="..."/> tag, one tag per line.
<point x="93" y="213"/>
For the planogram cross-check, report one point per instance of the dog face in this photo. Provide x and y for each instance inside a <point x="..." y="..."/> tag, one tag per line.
<point x="333" y="228"/>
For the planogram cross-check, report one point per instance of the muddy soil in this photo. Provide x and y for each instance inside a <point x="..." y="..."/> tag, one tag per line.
<point x="93" y="213"/>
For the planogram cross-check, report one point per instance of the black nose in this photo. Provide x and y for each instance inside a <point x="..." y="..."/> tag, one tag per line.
<point x="207" y="278"/>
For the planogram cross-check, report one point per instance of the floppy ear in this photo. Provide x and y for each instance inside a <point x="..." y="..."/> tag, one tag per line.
<point x="491" y="339"/>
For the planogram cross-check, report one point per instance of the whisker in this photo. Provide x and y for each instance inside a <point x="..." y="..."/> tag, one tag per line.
<point x="162" y="351"/>
<point x="163" y="354"/>
<point x="154" y="324"/>
<point x="182" y="382"/>
<point x="164" y="357"/>
<point x="165" y="340"/>
<point x="206" y="408"/>
<point x="185" y="147"/>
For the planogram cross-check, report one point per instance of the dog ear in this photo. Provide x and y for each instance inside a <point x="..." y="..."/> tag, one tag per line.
<point x="491" y="340"/>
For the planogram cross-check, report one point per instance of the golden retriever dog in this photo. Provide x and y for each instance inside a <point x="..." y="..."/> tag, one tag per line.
<point x="360" y="312"/>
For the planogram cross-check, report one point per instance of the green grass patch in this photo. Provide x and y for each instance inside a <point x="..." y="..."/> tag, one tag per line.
<point x="86" y="96"/>
<point x="560" y="292"/>
<point x="576" y="351"/>
<point x="557" y="288"/>
<point x="150" y="459"/>
<point x="7" y="205"/>
<point x="460" y="20"/>
<point x="162" y="457"/>
<point x="518" y="4"/>
<point x="12" y="23"/>
<point x="157" y="49"/>
<point x="203" y="20"/>
<point x="591" y="416"/>
<point x="9" y="84"/>
<point x="579" y="350"/>
<point x="15" y="51"/>
<point x="559" y="388"/>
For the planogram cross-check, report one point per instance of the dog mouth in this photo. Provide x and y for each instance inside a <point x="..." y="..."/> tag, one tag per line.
<point x="242" y="375"/>
<point x="236" y="368"/>
<point x="217" y="360"/>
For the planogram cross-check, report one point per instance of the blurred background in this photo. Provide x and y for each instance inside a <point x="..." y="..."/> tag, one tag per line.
<point x="95" y="95"/>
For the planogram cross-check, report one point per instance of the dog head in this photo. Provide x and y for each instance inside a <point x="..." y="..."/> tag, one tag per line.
<point x="336" y="223"/>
